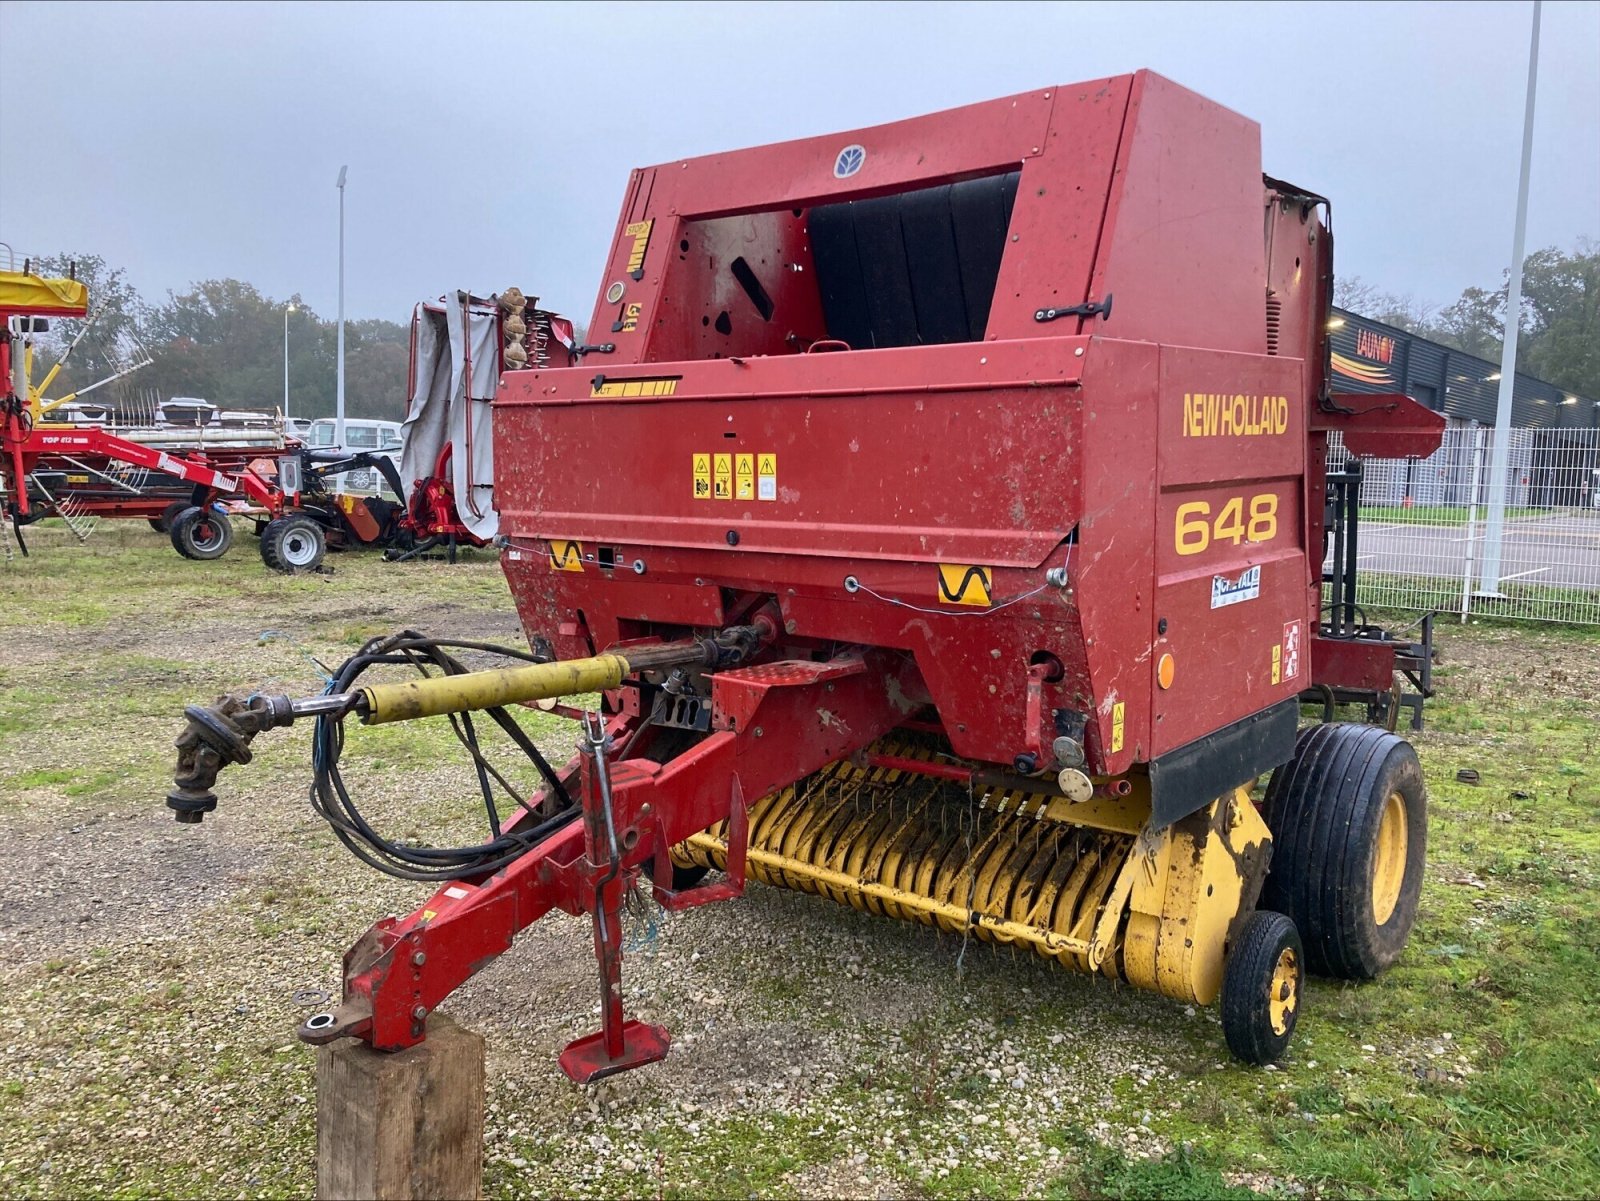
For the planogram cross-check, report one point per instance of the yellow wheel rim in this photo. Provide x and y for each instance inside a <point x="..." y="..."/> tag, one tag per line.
<point x="1284" y="996"/>
<point x="1389" y="861"/>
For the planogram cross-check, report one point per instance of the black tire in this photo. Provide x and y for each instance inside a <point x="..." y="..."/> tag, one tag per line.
<point x="1349" y="821"/>
<point x="163" y="523"/>
<point x="293" y="543"/>
<point x="201" y="533"/>
<point x="1263" y="982"/>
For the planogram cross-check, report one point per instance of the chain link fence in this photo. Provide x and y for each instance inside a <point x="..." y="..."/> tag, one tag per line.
<point x="1422" y="526"/>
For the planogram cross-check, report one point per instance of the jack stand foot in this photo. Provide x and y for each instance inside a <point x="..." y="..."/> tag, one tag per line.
<point x="586" y="1059"/>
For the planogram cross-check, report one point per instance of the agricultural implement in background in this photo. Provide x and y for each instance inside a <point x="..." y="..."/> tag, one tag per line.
<point x="461" y="346"/>
<point x="81" y="471"/>
<point x="943" y="530"/>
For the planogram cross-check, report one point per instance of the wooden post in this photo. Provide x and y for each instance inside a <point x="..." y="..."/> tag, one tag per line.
<point x="401" y="1126"/>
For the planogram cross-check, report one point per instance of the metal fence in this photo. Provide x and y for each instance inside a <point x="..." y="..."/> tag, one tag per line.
<point x="1421" y="527"/>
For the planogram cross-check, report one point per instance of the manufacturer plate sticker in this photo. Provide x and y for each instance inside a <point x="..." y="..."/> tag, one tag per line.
<point x="1246" y="587"/>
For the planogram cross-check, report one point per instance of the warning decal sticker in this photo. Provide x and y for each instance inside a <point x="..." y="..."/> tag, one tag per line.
<point x="566" y="556"/>
<point x="960" y="584"/>
<point x="743" y="476"/>
<point x="1118" y="712"/>
<point x="1292" y="647"/>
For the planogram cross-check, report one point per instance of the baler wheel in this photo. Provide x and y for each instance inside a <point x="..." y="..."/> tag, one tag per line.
<point x="201" y="533"/>
<point x="1261" y="987"/>
<point x="293" y="543"/>
<point x="1349" y="822"/>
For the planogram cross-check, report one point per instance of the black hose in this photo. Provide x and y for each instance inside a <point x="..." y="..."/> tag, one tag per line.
<point x="332" y="801"/>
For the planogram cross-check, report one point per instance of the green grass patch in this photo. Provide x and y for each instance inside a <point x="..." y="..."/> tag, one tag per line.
<point x="1437" y="514"/>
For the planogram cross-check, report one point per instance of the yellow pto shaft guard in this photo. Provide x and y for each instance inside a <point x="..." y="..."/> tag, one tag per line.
<point x="434" y="695"/>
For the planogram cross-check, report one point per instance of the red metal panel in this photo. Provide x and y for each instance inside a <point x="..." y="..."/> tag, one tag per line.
<point x="1114" y="557"/>
<point x="704" y="312"/>
<point x="977" y="468"/>
<point x="1350" y="664"/>
<point x="1230" y="416"/>
<point x="1182" y="245"/>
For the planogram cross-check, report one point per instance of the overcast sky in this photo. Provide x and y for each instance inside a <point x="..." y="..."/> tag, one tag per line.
<point x="489" y="144"/>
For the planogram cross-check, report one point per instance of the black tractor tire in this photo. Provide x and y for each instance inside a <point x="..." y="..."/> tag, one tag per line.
<point x="293" y="543"/>
<point x="163" y="524"/>
<point x="1263" y="982"/>
<point x="1349" y="822"/>
<point x="201" y="533"/>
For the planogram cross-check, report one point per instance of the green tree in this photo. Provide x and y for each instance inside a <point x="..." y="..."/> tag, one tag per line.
<point x="1561" y="318"/>
<point x="1475" y="323"/>
<point x="376" y="367"/>
<point x="110" y="340"/>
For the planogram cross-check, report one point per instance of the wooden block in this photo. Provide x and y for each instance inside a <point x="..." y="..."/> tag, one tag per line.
<point x="404" y="1125"/>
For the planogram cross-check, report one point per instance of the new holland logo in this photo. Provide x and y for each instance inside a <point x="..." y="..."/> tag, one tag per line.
<point x="849" y="161"/>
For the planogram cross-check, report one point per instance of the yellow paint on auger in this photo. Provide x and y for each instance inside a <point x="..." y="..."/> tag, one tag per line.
<point x="491" y="689"/>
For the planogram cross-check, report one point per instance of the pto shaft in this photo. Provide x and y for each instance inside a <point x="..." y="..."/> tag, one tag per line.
<point x="220" y="734"/>
<point x="434" y="695"/>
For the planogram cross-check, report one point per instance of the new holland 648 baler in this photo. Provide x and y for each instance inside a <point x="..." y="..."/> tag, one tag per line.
<point x="943" y="525"/>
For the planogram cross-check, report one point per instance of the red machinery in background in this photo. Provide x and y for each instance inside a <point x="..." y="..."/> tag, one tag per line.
<point x="77" y="471"/>
<point x="461" y="346"/>
<point x="944" y="530"/>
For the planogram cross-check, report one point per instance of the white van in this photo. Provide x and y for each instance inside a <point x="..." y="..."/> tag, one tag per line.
<point x="360" y="434"/>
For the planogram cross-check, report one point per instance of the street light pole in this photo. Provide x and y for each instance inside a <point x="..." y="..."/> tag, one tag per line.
<point x="338" y="425"/>
<point x="286" y="311"/>
<point x="1489" y="578"/>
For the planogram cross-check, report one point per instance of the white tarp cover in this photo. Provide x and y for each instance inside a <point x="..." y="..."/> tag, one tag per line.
<point x="455" y="364"/>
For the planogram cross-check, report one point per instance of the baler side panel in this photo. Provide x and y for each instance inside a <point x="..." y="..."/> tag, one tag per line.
<point x="978" y="470"/>
<point x="1114" y="561"/>
<point x="1181" y="250"/>
<point x="1229" y="541"/>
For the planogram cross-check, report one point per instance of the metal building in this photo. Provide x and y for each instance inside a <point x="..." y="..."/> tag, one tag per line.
<point x="1555" y="436"/>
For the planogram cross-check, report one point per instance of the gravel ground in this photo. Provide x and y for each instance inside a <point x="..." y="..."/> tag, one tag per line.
<point x="154" y="973"/>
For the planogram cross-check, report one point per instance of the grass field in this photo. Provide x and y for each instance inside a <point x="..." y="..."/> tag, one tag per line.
<point x="1436" y="514"/>
<point x="154" y="973"/>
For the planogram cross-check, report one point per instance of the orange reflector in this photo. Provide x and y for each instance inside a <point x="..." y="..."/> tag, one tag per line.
<point x="1165" y="670"/>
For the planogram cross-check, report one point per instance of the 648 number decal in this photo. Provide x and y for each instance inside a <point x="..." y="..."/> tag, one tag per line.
<point x="1238" y="519"/>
